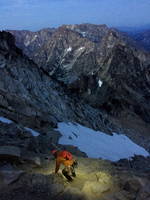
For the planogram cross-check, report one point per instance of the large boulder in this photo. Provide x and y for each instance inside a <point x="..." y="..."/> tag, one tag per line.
<point x="14" y="154"/>
<point x="10" y="153"/>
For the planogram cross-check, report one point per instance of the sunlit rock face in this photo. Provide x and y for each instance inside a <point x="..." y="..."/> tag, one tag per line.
<point x="79" y="56"/>
<point x="96" y="179"/>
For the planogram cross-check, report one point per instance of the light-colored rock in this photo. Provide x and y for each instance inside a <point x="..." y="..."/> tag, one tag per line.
<point x="31" y="158"/>
<point x="95" y="189"/>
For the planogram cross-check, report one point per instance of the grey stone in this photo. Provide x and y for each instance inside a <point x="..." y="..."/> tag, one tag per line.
<point x="10" y="153"/>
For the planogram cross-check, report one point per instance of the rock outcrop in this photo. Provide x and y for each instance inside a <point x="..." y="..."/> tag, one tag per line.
<point x="30" y="41"/>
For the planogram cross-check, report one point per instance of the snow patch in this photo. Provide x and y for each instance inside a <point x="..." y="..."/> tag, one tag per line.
<point x="69" y="49"/>
<point x="81" y="48"/>
<point x="8" y="121"/>
<point x="97" y="144"/>
<point x="34" y="38"/>
<point x="26" y="43"/>
<point x="5" y="120"/>
<point x="83" y="34"/>
<point x="100" y="83"/>
<point x="34" y="133"/>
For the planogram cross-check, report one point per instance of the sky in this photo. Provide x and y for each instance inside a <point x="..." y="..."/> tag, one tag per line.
<point x="37" y="14"/>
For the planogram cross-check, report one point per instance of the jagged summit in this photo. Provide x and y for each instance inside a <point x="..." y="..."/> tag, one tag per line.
<point x="91" y="31"/>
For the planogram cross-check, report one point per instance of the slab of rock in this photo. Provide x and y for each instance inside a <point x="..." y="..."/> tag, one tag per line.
<point x="14" y="154"/>
<point x="11" y="153"/>
<point x="31" y="158"/>
<point x="71" y="193"/>
<point x="95" y="189"/>
<point x="9" y="174"/>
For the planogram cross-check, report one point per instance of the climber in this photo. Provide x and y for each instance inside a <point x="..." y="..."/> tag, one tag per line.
<point x="64" y="157"/>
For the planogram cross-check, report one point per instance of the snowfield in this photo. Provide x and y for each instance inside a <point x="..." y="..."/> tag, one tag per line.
<point x="5" y="120"/>
<point x="100" y="83"/>
<point x="33" y="132"/>
<point x="97" y="144"/>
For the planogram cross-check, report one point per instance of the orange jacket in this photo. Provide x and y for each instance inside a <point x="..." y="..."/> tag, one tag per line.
<point x="60" y="160"/>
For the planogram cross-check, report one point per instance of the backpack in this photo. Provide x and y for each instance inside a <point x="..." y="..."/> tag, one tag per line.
<point x="67" y="155"/>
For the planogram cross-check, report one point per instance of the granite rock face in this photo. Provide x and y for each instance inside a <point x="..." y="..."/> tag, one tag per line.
<point x="30" y="97"/>
<point x="30" y="41"/>
<point x="98" y="64"/>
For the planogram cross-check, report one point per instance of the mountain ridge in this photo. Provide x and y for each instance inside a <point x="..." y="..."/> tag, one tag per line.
<point x="103" y="86"/>
<point x="81" y="55"/>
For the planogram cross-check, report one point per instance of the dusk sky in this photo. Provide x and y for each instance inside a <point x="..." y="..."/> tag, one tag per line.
<point x="37" y="14"/>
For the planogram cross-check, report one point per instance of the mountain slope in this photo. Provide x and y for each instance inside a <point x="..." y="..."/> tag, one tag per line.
<point x="30" y="96"/>
<point x="30" y="41"/>
<point x="99" y="65"/>
<point x="142" y="39"/>
<point x="32" y="104"/>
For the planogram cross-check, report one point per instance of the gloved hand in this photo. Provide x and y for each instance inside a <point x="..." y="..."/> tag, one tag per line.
<point x="75" y="164"/>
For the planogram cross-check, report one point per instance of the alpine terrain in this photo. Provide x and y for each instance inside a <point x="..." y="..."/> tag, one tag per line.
<point x="83" y="88"/>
